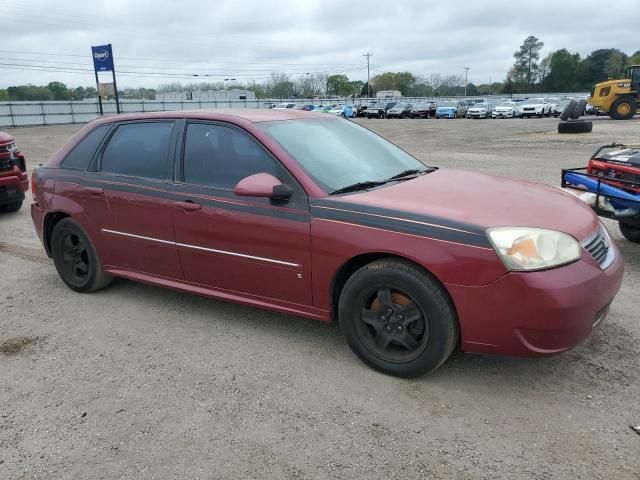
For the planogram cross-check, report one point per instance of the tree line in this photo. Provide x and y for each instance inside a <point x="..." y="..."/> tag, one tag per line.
<point x="559" y="71"/>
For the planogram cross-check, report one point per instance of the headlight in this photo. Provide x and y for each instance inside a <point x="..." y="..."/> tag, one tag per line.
<point x="522" y="248"/>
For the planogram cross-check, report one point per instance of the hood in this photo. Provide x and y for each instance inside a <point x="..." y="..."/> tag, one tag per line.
<point x="532" y="104"/>
<point x="481" y="200"/>
<point x="504" y="109"/>
<point x="5" y="138"/>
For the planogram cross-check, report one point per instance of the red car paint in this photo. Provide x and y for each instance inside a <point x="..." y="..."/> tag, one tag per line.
<point x="14" y="180"/>
<point x="286" y="256"/>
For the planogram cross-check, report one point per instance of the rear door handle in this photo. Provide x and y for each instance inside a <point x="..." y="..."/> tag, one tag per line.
<point x="95" y="190"/>
<point x="188" y="205"/>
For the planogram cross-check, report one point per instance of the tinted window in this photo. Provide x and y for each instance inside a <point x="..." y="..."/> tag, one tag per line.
<point x="139" y="149"/>
<point x="80" y="157"/>
<point x="219" y="156"/>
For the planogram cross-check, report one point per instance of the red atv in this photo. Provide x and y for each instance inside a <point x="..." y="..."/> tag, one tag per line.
<point x="14" y="181"/>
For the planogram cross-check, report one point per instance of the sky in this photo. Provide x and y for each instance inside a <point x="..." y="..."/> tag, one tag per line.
<point x="157" y="42"/>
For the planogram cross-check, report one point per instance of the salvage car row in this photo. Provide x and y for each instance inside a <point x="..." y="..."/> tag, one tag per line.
<point x="467" y="108"/>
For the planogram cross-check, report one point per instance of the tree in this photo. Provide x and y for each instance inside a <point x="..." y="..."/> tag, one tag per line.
<point x="338" y="85"/>
<point x="565" y="72"/>
<point x="59" y="91"/>
<point x="527" y="57"/>
<point x="602" y="64"/>
<point x="4" y="96"/>
<point x="634" y="59"/>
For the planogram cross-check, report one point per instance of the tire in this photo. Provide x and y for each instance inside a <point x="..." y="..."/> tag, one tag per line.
<point x="630" y="232"/>
<point x="579" y="110"/>
<point x="11" y="207"/>
<point x="76" y="259"/>
<point x="567" y="111"/>
<point x="623" y="108"/>
<point x="575" y="127"/>
<point x="388" y="342"/>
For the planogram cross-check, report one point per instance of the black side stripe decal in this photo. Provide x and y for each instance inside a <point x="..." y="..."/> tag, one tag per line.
<point x="400" y="225"/>
<point x="166" y="191"/>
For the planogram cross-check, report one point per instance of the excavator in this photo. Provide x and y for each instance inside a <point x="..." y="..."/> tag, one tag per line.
<point x="618" y="98"/>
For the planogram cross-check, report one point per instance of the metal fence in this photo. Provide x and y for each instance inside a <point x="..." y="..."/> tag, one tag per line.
<point x="23" y="114"/>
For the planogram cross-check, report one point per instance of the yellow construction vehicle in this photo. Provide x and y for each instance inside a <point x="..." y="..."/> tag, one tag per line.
<point x="618" y="98"/>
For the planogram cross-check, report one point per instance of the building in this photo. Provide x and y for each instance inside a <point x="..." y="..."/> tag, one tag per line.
<point x="206" y="96"/>
<point x="388" y="94"/>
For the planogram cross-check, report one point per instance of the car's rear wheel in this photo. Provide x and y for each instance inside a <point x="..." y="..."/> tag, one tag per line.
<point x="76" y="259"/>
<point x="630" y="232"/>
<point x="623" y="108"/>
<point x="11" y="207"/>
<point x="397" y="318"/>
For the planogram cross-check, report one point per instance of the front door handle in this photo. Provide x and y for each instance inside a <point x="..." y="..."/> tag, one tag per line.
<point x="188" y="205"/>
<point x="95" y="190"/>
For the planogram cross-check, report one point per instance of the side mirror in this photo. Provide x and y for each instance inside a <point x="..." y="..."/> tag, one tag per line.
<point x="263" y="185"/>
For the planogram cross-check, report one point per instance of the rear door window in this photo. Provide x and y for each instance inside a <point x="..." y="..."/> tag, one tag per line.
<point x="139" y="150"/>
<point x="80" y="157"/>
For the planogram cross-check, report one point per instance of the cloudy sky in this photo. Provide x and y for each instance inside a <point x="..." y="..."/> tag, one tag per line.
<point x="156" y="42"/>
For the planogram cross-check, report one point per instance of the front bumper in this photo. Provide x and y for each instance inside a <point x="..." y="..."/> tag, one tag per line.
<point x="537" y="313"/>
<point x="13" y="185"/>
<point x="503" y="114"/>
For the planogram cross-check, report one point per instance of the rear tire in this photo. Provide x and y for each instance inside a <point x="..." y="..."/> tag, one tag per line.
<point x="76" y="259"/>
<point x="623" y="108"/>
<point x="630" y="232"/>
<point x="575" y="127"/>
<point x="397" y="318"/>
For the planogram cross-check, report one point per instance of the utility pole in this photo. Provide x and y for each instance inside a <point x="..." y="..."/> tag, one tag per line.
<point x="466" y="77"/>
<point x="368" y="83"/>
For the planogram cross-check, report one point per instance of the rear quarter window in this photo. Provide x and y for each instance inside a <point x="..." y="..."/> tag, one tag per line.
<point x="80" y="157"/>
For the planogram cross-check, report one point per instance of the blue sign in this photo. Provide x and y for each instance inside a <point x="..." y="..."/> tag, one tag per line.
<point x="102" y="58"/>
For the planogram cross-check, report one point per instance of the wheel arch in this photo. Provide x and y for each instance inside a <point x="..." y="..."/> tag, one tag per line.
<point x="355" y="263"/>
<point x="51" y="219"/>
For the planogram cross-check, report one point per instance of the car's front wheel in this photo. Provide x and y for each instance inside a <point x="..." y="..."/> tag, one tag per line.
<point x="397" y="318"/>
<point x="11" y="207"/>
<point x="76" y="259"/>
<point x="630" y="232"/>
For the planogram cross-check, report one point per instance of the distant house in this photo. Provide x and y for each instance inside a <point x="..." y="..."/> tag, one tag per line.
<point x="388" y="94"/>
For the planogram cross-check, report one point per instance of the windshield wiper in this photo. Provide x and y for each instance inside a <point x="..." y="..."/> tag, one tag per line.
<point x="359" y="186"/>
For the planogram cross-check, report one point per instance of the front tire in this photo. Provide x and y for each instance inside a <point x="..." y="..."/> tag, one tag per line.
<point x="11" y="207"/>
<point x="623" y="108"/>
<point x="630" y="232"/>
<point x="76" y="259"/>
<point x="397" y="318"/>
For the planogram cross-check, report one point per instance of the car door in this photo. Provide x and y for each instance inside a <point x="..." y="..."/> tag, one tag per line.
<point x="134" y="171"/>
<point x="253" y="246"/>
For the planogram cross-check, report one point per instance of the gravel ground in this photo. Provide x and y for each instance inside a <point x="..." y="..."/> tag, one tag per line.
<point x="140" y="382"/>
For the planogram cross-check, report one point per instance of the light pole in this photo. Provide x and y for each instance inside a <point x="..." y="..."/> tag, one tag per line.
<point x="466" y="78"/>
<point x="368" y="55"/>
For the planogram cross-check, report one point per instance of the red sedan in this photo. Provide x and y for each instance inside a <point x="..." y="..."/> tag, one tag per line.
<point x="14" y="180"/>
<point x="318" y="217"/>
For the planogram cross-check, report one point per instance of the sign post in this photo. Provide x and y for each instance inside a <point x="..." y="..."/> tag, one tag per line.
<point x="103" y="62"/>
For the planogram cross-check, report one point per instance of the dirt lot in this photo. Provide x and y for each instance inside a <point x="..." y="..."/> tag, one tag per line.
<point x="139" y="382"/>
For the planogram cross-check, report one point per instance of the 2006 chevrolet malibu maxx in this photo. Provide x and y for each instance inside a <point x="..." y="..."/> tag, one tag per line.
<point x="321" y="218"/>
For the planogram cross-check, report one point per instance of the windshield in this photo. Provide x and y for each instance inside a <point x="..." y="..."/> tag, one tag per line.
<point x="508" y="105"/>
<point x="337" y="153"/>
<point x="534" y="100"/>
<point x="447" y="104"/>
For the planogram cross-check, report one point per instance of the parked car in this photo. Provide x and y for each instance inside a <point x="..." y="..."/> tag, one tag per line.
<point x="322" y="108"/>
<point x="399" y="110"/>
<point x="345" y="111"/>
<point x="306" y="108"/>
<point x="284" y="106"/>
<point x="506" y="110"/>
<point x="379" y="110"/>
<point x="535" y="107"/>
<point x="450" y="110"/>
<point x="269" y="105"/>
<point x="424" y="110"/>
<point x="412" y="261"/>
<point x="14" y="180"/>
<point x="557" y="109"/>
<point x="362" y="111"/>
<point x="480" y="110"/>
